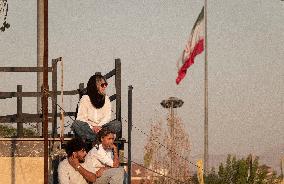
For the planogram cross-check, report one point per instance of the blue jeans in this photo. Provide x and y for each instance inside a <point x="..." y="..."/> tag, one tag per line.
<point x="83" y="130"/>
<point x="112" y="176"/>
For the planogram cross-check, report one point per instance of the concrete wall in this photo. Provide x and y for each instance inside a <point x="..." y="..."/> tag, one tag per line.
<point x="21" y="170"/>
<point x="22" y="162"/>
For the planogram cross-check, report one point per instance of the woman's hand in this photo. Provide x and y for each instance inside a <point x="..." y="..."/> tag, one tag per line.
<point x="96" y="129"/>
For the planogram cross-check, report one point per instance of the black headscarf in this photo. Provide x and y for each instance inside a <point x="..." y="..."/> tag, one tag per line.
<point x="97" y="99"/>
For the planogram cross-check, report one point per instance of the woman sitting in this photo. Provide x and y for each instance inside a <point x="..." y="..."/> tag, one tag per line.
<point x="94" y="111"/>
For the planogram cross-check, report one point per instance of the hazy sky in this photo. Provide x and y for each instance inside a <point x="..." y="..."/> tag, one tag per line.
<point x="245" y="62"/>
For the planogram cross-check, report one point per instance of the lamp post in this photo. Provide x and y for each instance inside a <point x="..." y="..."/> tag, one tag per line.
<point x="171" y="103"/>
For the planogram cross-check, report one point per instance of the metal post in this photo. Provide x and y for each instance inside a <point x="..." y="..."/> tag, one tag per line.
<point x="171" y="122"/>
<point x="130" y="88"/>
<point x="171" y="103"/>
<point x="40" y="50"/>
<point x="118" y="91"/>
<point x="206" y="155"/>
<point x="81" y="88"/>
<point x="281" y="169"/>
<point x="20" y="132"/>
<point x="45" y="92"/>
<point x="54" y="97"/>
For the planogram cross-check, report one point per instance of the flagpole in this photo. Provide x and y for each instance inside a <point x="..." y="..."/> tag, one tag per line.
<point x="206" y="156"/>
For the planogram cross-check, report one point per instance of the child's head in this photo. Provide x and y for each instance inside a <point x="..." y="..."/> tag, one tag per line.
<point x="106" y="137"/>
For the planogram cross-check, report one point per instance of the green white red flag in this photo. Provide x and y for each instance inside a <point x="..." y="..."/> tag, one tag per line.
<point x="194" y="46"/>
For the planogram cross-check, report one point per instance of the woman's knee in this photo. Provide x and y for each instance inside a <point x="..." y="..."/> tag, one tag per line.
<point x="118" y="125"/>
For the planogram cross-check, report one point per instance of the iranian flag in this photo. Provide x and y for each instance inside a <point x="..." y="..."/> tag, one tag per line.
<point x="194" y="46"/>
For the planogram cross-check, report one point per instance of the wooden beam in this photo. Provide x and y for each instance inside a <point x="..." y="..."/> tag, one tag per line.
<point x="26" y="118"/>
<point x="20" y="127"/>
<point x="54" y="97"/>
<point x="23" y="69"/>
<point x="4" y="95"/>
<point x="110" y="74"/>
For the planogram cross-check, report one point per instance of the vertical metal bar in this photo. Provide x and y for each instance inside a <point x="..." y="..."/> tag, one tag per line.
<point x="20" y="132"/>
<point x="54" y="97"/>
<point x="45" y="92"/>
<point x="282" y="168"/>
<point x="206" y="155"/>
<point x="62" y="101"/>
<point x="40" y="47"/>
<point x="81" y="88"/>
<point x="118" y="91"/>
<point x="171" y="141"/>
<point x="130" y="88"/>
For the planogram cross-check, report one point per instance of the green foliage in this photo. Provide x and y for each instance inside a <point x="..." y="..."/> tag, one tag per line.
<point x="212" y="177"/>
<point x="8" y="131"/>
<point x="240" y="171"/>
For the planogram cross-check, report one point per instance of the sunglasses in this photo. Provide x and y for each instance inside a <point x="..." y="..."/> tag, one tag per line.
<point x="104" y="85"/>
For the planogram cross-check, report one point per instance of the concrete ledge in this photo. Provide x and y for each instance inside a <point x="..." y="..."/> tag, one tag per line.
<point x="21" y="170"/>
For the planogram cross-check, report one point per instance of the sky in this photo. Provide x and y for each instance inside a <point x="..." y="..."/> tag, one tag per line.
<point x="245" y="64"/>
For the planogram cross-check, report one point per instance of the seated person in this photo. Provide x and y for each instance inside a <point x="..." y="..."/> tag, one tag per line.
<point x="94" y="111"/>
<point x="72" y="170"/>
<point x="104" y="158"/>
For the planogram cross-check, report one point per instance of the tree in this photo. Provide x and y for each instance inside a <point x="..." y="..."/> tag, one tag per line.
<point x="152" y="147"/>
<point x="167" y="152"/>
<point x="241" y="171"/>
<point x="3" y="15"/>
<point x="9" y="131"/>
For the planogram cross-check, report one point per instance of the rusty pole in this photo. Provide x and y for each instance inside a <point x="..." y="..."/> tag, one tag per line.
<point x="45" y="92"/>
<point x="40" y="50"/>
